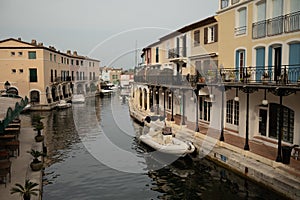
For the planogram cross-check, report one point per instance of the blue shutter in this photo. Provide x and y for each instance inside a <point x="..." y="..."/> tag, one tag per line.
<point x="294" y="61"/>
<point x="260" y="62"/>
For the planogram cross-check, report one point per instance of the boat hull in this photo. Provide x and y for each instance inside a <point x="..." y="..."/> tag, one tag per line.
<point x="175" y="147"/>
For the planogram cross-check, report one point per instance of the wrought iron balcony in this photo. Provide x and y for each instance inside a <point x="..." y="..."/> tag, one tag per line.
<point x="59" y="79"/>
<point x="240" y="30"/>
<point x="292" y="22"/>
<point x="177" y="52"/>
<point x="259" y="29"/>
<point x="286" y="74"/>
<point x="276" y="26"/>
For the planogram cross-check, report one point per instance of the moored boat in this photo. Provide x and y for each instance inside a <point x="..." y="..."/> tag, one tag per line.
<point x="163" y="141"/>
<point x="63" y="104"/>
<point x="78" y="98"/>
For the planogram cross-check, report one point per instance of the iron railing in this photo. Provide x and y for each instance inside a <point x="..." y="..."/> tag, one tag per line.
<point x="276" y="75"/>
<point x="292" y="22"/>
<point x="177" y="52"/>
<point x="259" y="29"/>
<point x="276" y="26"/>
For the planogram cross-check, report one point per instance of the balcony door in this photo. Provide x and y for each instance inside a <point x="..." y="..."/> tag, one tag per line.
<point x="275" y="61"/>
<point x="260" y="62"/>
<point x="240" y="63"/>
<point x="294" y="62"/>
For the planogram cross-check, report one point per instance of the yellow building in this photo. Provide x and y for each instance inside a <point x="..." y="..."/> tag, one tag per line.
<point x="45" y="74"/>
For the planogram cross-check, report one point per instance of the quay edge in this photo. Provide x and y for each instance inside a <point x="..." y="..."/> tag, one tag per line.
<point x="251" y="166"/>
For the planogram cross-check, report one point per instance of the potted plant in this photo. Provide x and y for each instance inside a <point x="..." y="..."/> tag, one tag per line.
<point x="27" y="190"/>
<point x="39" y="127"/>
<point x="36" y="164"/>
<point x="265" y="78"/>
<point x="231" y="76"/>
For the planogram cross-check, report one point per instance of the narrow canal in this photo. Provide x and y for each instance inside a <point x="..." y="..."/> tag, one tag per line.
<point x="81" y="167"/>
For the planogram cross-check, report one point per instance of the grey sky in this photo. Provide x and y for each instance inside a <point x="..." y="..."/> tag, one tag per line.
<point x="107" y="30"/>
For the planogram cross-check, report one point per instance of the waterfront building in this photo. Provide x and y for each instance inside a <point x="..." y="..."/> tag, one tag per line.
<point x="240" y="68"/>
<point x="111" y="75"/>
<point x="45" y="74"/>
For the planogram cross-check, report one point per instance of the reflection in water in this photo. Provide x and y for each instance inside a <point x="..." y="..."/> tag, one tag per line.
<point x="73" y="173"/>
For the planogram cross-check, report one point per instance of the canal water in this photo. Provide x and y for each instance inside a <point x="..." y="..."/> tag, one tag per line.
<point x="80" y="166"/>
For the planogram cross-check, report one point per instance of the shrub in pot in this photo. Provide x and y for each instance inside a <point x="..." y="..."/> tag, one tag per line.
<point x="36" y="164"/>
<point x="25" y="191"/>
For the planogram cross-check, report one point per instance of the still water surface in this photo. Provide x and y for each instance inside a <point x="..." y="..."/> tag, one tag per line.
<point x="73" y="172"/>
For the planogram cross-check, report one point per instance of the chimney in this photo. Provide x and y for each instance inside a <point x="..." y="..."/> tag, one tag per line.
<point x="74" y="53"/>
<point x="19" y="39"/>
<point x="33" y="42"/>
<point x="69" y="52"/>
<point x="40" y="44"/>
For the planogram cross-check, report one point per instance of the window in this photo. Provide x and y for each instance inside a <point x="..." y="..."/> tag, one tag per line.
<point x="295" y="6"/>
<point x="50" y="56"/>
<point x="21" y="71"/>
<point x="211" y="34"/>
<point x="224" y="3"/>
<point x="54" y="58"/>
<point x="157" y="54"/>
<point x="94" y="78"/>
<point x="62" y="60"/>
<point x="67" y="61"/>
<point x="232" y="112"/>
<point x="89" y="64"/>
<point x="33" y="75"/>
<point x="13" y="70"/>
<point x="287" y="123"/>
<point x="72" y="62"/>
<point x="77" y="62"/>
<point x="196" y="38"/>
<point x="277" y="8"/>
<point x="90" y="75"/>
<point x="204" y="109"/>
<point x="81" y="63"/>
<point x="31" y="55"/>
<point x="20" y="53"/>
<point x="241" y="23"/>
<point x="12" y="53"/>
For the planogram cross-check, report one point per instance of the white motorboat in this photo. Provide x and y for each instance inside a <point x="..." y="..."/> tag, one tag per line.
<point x="63" y="104"/>
<point x="163" y="141"/>
<point x="78" y="98"/>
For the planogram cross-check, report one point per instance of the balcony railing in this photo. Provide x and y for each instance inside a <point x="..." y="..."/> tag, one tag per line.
<point x="286" y="74"/>
<point x="177" y="52"/>
<point x="59" y="79"/>
<point x="240" y="30"/>
<point x="275" y="26"/>
<point x="292" y="22"/>
<point x="259" y="29"/>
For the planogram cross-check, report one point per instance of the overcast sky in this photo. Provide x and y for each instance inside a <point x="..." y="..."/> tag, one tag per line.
<point x="108" y="30"/>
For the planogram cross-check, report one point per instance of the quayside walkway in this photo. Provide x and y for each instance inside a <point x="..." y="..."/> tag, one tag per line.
<point x="257" y="164"/>
<point x="20" y="169"/>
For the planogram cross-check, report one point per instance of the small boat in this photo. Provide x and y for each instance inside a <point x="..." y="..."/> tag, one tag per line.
<point x="78" y="98"/>
<point x="164" y="141"/>
<point x="63" y="104"/>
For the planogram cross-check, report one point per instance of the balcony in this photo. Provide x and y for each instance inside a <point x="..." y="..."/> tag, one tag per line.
<point x="292" y="22"/>
<point x="240" y="30"/>
<point x="59" y="79"/>
<point x="178" y="52"/>
<point x="259" y="29"/>
<point x="268" y="75"/>
<point x="276" y="26"/>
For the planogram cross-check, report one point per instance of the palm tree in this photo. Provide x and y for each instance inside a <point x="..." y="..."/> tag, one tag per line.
<point x="26" y="191"/>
